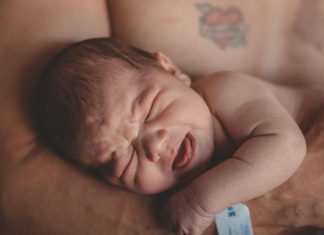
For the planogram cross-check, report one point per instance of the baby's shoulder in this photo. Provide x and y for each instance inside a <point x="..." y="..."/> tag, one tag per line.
<point x="226" y="83"/>
<point x="229" y="88"/>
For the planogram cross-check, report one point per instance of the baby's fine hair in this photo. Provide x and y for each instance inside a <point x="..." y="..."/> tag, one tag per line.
<point x="71" y="89"/>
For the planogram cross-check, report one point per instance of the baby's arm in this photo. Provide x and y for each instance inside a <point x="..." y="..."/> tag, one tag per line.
<point x="270" y="143"/>
<point x="270" y="147"/>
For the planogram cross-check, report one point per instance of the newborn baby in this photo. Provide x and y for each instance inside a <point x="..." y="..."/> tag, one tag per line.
<point x="136" y="118"/>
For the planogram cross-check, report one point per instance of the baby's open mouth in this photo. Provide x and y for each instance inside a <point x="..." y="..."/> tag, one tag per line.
<point x="185" y="152"/>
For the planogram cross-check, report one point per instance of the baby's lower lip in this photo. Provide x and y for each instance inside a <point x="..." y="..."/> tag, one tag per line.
<point x="185" y="152"/>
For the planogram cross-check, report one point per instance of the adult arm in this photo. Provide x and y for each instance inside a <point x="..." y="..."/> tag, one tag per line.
<point x="40" y="193"/>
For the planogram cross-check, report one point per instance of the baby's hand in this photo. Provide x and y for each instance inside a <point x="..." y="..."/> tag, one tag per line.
<point x="183" y="214"/>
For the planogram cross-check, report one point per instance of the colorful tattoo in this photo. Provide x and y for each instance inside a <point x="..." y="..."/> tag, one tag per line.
<point x="225" y="27"/>
<point x="309" y="25"/>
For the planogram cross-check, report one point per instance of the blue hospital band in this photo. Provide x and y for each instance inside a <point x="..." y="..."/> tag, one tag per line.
<point x="235" y="220"/>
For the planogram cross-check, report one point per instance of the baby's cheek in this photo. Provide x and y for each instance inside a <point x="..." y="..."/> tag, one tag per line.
<point x="151" y="181"/>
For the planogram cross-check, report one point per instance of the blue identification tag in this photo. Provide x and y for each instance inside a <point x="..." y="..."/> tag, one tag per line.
<point x="235" y="220"/>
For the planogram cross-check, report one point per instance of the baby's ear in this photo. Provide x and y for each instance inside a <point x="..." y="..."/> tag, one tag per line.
<point x="167" y="64"/>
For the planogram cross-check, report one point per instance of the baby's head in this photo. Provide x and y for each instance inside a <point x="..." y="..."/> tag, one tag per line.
<point x="127" y="113"/>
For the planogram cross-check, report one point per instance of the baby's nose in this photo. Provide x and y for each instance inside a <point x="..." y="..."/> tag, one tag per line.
<point x="156" y="144"/>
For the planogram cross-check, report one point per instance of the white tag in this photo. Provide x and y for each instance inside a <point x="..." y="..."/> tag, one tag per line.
<point x="235" y="220"/>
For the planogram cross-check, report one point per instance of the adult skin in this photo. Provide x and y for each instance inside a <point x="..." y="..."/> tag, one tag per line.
<point x="278" y="41"/>
<point x="41" y="194"/>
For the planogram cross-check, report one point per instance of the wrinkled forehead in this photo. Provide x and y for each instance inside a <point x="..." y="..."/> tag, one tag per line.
<point x="118" y="94"/>
<point x="124" y="84"/>
<point x="119" y="89"/>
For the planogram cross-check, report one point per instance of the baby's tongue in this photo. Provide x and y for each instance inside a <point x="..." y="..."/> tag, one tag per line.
<point x="182" y="156"/>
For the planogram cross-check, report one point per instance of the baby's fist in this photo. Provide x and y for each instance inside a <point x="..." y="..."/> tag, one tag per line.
<point x="184" y="215"/>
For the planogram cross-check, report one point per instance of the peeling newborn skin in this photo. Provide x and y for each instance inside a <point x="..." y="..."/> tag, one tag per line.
<point x="309" y="24"/>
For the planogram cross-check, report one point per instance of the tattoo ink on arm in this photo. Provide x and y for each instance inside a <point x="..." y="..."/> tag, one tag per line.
<point x="225" y="27"/>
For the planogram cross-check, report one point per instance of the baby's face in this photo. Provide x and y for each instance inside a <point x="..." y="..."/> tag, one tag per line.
<point x="157" y="132"/>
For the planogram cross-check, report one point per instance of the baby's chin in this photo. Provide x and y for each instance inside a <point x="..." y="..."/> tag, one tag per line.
<point x="182" y="182"/>
<point x="153" y="191"/>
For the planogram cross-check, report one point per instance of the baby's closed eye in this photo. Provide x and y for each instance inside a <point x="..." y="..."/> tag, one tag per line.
<point x="118" y="162"/>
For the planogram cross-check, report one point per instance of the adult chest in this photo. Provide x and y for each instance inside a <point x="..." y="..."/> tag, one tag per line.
<point x="202" y="37"/>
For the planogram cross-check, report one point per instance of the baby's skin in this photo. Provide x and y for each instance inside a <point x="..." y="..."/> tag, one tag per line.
<point x="255" y="129"/>
<point x="166" y="131"/>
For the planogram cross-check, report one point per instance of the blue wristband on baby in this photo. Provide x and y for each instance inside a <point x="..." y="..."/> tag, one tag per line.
<point x="235" y="220"/>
